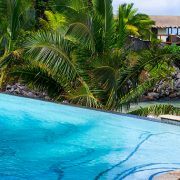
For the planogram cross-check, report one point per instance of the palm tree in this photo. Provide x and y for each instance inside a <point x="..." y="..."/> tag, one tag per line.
<point x="86" y="60"/>
<point x="130" y="22"/>
<point x="56" y="50"/>
<point x="52" y="57"/>
<point x="80" y="59"/>
<point x="14" y="16"/>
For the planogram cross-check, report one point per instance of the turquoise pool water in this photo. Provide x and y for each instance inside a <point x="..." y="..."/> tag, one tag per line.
<point x="41" y="140"/>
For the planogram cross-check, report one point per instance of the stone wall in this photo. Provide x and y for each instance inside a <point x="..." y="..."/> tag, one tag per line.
<point x="137" y="44"/>
<point x="169" y="89"/>
<point x="22" y="90"/>
<point x="163" y="90"/>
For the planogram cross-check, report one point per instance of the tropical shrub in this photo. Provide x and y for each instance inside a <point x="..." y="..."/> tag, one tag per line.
<point x="157" y="110"/>
<point x="85" y="58"/>
<point x="175" y="51"/>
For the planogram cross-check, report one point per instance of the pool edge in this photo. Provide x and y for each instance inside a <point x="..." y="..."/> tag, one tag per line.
<point x="99" y="110"/>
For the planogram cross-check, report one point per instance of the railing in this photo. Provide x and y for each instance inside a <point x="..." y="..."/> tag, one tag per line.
<point x="169" y="39"/>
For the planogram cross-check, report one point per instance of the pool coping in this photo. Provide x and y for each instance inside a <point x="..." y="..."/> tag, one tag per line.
<point x="171" y="122"/>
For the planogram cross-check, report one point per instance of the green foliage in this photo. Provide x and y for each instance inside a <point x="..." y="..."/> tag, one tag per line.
<point x="16" y="14"/>
<point x="40" y="7"/>
<point x="54" y="21"/>
<point x="39" y="77"/>
<point x="157" y="110"/>
<point x="80" y="55"/>
<point x="52" y="50"/>
<point x="129" y="22"/>
<point x="15" y="20"/>
<point x="174" y="50"/>
<point x="83" y="96"/>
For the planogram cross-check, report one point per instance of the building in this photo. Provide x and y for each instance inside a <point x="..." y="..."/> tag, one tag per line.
<point x="167" y="29"/>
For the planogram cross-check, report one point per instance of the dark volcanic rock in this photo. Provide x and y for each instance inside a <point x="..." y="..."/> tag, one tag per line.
<point x="22" y="90"/>
<point x="169" y="88"/>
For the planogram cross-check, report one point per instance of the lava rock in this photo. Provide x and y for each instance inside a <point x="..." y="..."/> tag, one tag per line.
<point x="154" y="95"/>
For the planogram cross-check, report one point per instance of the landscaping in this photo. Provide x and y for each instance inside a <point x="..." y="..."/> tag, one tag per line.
<point x="87" y="93"/>
<point x="79" y="52"/>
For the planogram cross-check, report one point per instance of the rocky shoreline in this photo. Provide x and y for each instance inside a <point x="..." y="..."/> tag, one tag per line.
<point x="169" y="89"/>
<point x="23" y="90"/>
<point x="163" y="90"/>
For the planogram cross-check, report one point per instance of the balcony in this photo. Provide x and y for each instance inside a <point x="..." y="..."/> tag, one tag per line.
<point x="169" y="39"/>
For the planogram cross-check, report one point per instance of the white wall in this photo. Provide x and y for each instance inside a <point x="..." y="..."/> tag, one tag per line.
<point x="162" y="31"/>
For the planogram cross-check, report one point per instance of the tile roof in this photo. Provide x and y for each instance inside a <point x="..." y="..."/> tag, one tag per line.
<point x="166" y="21"/>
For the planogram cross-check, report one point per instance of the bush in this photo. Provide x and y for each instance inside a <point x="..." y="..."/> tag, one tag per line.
<point x="175" y="50"/>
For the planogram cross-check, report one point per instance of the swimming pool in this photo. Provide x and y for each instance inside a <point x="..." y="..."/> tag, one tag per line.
<point x="41" y="140"/>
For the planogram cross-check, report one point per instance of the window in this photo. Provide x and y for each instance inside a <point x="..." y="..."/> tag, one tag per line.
<point x="173" y="31"/>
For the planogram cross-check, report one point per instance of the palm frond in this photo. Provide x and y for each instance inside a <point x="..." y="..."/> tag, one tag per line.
<point x="52" y="50"/>
<point x="54" y="20"/>
<point x="10" y="58"/>
<point x="121" y="28"/>
<point x="38" y="77"/>
<point x="14" y="12"/>
<point x="83" y="96"/>
<point x="133" y="30"/>
<point x="108" y="24"/>
<point x="81" y="33"/>
<point x="3" y="7"/>
<point x="104" y="10"/>
<point x="132" y="23"/>
<point x="137" y="92"/>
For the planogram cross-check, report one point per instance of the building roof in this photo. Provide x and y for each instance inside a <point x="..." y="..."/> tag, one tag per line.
<point x="166" y="21"/>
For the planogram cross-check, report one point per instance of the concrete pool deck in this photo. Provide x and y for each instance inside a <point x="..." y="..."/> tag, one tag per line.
<point x="170" y="119"/>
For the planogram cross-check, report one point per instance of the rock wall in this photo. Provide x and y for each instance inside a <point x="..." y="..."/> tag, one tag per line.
<point x="163" y="90"/>
<point x="22" y="90"/>
<point x="169" y="89"/>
